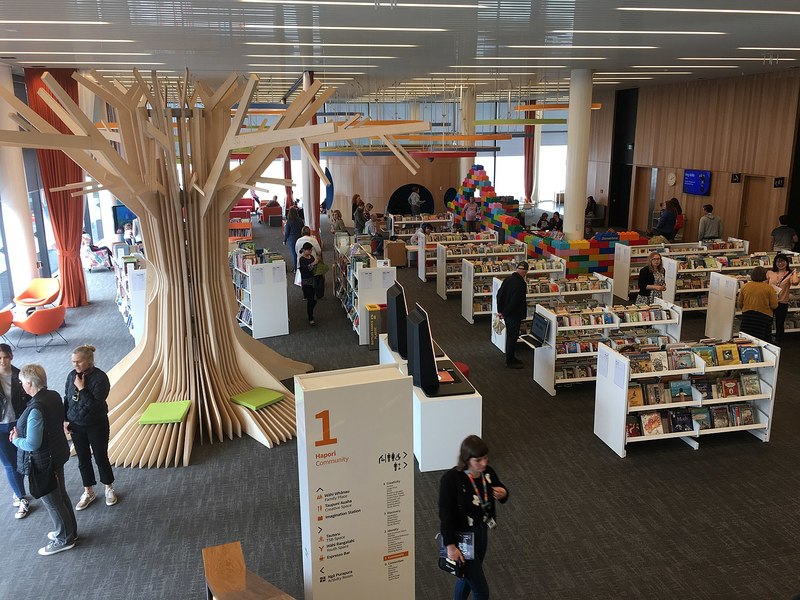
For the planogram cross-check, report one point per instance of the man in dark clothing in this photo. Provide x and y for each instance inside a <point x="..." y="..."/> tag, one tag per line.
<point x="512" y="308"/>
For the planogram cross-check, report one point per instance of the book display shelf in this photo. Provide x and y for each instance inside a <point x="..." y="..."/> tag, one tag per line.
<point x="544" y="290"/>
<point x="569" y="354"/>
<point x="426" y="247"/>
<point x="259" y="283"/>
<point x="629" y="260"/>
<point x="358" y="281"/>
<point x="240" y="230"/>
<point x="404" y="226"/>
<point x="449" y="259"/>
<point x="707" y="389"/>
<point x="131" y="280"/>
<point x="476" y="281"/>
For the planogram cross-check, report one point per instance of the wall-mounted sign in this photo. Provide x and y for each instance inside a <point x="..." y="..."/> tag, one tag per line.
<point x="736" y="178"/>
<point x="778" y="182"/>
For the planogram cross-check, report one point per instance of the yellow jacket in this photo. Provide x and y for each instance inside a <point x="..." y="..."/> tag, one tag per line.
<point x="759" y="296"/>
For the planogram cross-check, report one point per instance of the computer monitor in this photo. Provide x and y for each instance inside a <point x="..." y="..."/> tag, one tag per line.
<point x="121" y="215"/>
<point x="396" y="316"/>
<point x="539" y="327"/>
<point x="421" y="359"/>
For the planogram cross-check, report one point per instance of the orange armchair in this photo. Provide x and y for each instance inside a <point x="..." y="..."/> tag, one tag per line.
<point x="40" y="291"/>
<point x="6" y="319"/>
<point x="40" y="322"/>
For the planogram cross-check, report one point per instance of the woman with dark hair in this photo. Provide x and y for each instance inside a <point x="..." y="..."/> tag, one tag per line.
<point x="307" y="266"/>
<point x="40" y="435"/>
<point x="13" y="401"/>
<point x="781" y="277"/>
<point x="292" y="232"/>
<point x="543" y="222"/>
<point x="356" y="202"/>
<point x="651" y="280"/>
<point x="591" y="206"/>
<point x="667" y="220"/>
<point x="556" y="224"/>
<point x="86" y="411"/>
<point x="758" y="301"/>
<point x="359" y="218"/>
<point x="467" y="495"/>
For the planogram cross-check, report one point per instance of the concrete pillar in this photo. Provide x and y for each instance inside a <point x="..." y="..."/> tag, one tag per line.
<point x="467" y="126"/>
<point x="578" y="123"/>
<point x="14" y="200"/>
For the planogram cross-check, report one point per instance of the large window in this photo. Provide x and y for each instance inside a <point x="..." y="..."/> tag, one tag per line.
<point x="6" y="291"/>
<point x="43" y="236"/>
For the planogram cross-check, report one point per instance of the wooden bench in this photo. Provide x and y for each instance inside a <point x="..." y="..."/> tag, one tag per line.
<point x="227" y="578"/>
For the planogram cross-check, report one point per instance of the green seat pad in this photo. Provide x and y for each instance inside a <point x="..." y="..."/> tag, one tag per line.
<point x="257" y="398"/>
<point x="165" y="412"/>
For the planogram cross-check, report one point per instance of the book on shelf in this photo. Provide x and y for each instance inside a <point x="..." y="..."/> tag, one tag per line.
<point x="640" y="363"/>
<point x="680" y="420"/>
<point x="705" y="388"/>
<point x="654" y="393"/>
<point x="707" y="353"/>
<point x="681" y="358"/>
<point x="750" y="354"/>
<point x="727" y="354"/>
<point x="701" y="416"/>
<point x="730" y="387"/>
<point x="751" y="384"/>
<point x="651" y="423"/>
<point x="659" y="361"/>
<point x="720" y="417"/>
<point x="681" y="390"/>
<point x="744" y="414"/>
<point x="633" y="427"/>
<point x="635" y="395"/>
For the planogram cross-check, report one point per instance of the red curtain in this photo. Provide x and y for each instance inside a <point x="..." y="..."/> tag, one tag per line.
<point x="527" y="153"/>
<point x="66" y="213"/>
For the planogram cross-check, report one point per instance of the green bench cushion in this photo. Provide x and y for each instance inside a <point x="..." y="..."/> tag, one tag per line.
<point x="257" y="398"/>
<point x="165" y="412"/>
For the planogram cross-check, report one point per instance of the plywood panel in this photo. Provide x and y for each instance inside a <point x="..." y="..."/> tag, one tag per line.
<point x="640" y="203"/>
<point x="600" y="141"/>
<point x="379" y="176"/>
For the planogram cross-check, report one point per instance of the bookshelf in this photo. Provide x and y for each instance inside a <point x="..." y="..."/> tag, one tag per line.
<point x="476" y="281"/>
<point x="404" y="226"/>
<point x="629" y="260"/>
<point x="426" y="247"/>
<point x="131" y="280"/>
<point x="569" y="355"/>
<point x="597" y="286"/>
<point x="240" y="230"/>
<point x="613" y="415"/>
<point x="260" y="287"/>
<point x="449" y="259"/>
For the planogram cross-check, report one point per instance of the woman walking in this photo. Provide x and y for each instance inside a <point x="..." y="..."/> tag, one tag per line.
<point x="307" y="266"/>
<point x="292" y="232"/>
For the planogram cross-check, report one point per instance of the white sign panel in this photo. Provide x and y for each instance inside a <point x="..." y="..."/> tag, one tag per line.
<point x="356" y="471"/>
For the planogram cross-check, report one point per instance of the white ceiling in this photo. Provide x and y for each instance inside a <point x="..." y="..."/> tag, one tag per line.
<point x="451" y="42"/>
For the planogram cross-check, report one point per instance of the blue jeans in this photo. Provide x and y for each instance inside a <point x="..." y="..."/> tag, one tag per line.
<point x="59" y="506"/>
<point x="291" y="243"/>
<point x="8" y="454"/>
<point x="475" y="581"/>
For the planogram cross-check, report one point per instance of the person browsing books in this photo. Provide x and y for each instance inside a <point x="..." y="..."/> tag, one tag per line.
<point x="781" y="277"/>
<point x="424" y="229"/>
<point x="543" y="222"/>
<point x="758" y="301"/>
<point x="467" y="496"/>
<point x="307" y="266"/>
<point x="651" y="280"/>
<point x="512" y="307"/>
<point x="471" y="215"/>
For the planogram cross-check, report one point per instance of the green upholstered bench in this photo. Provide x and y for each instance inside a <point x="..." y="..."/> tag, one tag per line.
<point x="165" y="412"/>
<point x="257" y="398"/>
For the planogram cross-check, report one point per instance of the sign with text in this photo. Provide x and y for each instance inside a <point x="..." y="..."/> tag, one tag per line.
<point x="356" y="471"/>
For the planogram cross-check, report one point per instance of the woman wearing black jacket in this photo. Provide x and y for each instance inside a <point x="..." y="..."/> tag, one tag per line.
<point x="467" y="495"/>
<point x="13" y="401"/>
<point x="86" y="417"/>
<point x="651" y="279"/>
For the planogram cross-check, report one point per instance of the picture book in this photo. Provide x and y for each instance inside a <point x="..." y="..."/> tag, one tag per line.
<point x="681" y="390"/>
<point x="701" y="417"/>
<point x="750" y="354"/>
<point x="707" y="353"/>
<point x="746" y="414"/>
<point x="727" y="354"/>
<point x="751" y="384"/>
<point x="632" y="426"/>
<point x="659" y="361"/>
<point x="635" y="395"/>
<point x="651" y="423"/>
<point x="680" y="420"/>
<point x="720" y="417"/>
<point x="654" y="393"/>
<point x="705" y="388"/>
<point x="640" y="363"/>
<point x="682" y="359"/>
<point x="730" y="387"/>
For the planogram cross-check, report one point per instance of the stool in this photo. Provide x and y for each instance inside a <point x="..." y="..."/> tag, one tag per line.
<point x="275" y="220"/>
<point x="463" y="367"/>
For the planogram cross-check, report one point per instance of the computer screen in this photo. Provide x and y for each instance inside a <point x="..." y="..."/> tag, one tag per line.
<point x="539" y="327"/>
<point x="396" y="316"/>
<point x="421" y="359"/>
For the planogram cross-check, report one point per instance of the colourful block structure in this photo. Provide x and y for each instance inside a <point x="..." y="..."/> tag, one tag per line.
<point x="585" y="256"/>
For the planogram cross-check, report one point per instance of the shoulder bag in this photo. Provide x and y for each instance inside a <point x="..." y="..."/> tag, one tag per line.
<point x="41" y="481"/>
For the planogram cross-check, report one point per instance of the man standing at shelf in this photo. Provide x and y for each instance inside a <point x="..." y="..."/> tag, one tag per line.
<point x="415" y="201"/>
<point x="512" y="308"/>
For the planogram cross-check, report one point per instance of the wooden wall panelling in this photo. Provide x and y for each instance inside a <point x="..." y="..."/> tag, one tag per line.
<point x="600" y="141"/>
<point x="640" y="202"/>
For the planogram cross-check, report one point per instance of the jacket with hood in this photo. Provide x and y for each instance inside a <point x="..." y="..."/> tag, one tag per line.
<point x="710" y="227"/>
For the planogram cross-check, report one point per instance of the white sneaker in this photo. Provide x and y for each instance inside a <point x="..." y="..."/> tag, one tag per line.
<point x="16" y="501"/>
<point x="55" y="548"/>
<point x="111" y="497"/>
<point x="22" y="509"/>
<point x="51" y="535"/>
<point x="86" y="500"/>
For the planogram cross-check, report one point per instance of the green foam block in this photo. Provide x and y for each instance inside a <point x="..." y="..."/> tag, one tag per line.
<point x="165" y="412"/>
<point x="257" y="398"/>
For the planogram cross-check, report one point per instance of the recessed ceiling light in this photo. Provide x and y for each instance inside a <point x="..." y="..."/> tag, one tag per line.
<point x="319" y="56"/>
<point x="771" y="49"/>
<point x="327" y="45"/>
<point x="372" y="4"/>
<point x="311" y="66"/>
<point x="30" y="22"/>
<point x="67" y="40"/>
<point x="70" y="53"/>
<point x="78" y="62"/>
<point x="684" y="67"/>
<point x="637" y="32"/>
<point x="748" y="58"/>
<point x="561" y="58"/>
<point x="573" y="47"/>
<point x="643" y="73"/>
<point x="602" y="79"/>
<point x="342" y="28"/>
<point x="316" y="73"/>
<point x="734" y="11"/>
<point x="508" y="66"/>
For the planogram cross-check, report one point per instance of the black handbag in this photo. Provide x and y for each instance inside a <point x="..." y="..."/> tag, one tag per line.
<point x="41" y="481"/>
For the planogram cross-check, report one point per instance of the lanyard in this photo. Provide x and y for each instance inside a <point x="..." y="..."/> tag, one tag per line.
<point x="485" y="502"/>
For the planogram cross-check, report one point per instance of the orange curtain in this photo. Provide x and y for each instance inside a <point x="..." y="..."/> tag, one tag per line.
<point x="527" y="153"/>
<point x="66" y="213"/>
<point x="287" y="174"/>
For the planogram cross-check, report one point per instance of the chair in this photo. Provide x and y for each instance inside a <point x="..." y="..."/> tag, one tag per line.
<point x="6" y="319"/>
<point x="227" y="578"/>
<point x="40" y="322"/>
<point x="40" y="291"/>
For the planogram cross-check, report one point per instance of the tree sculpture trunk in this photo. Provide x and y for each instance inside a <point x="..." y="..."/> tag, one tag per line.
<point x="170" y="165"/>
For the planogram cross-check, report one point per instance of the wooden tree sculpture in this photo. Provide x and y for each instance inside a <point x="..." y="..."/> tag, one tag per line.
<point x="170" y="165"/>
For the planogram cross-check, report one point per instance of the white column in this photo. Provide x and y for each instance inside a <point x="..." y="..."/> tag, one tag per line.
<point x="578" y="122"/>
<point x="14" y="200"/>
<point x="468" y="103"/>
<point x="307" y="173"/>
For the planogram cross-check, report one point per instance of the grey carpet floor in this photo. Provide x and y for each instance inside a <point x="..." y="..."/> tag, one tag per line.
<point x="721" y="522"/>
